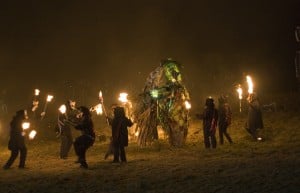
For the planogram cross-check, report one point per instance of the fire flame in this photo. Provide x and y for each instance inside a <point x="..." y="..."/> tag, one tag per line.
<point x="25" y="125"/>
<point x="49" y="98"/>
<point x="123" y="97"/>
<point x="250" y="84"/>
<point x="36" y="92"/>
<point x="99" y="109"/>
<point x="63" y="109"/>
<point x="32" y="134"/>
<point x="240" y="91"/>
<point x="187" y="105"/>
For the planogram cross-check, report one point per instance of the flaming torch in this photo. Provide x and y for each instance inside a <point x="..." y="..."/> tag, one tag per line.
<point x="188" y="106"/>
<point x="25" y="125"/>
<point x="35" y="102"/>
<point x="36" y="92"/>
<point x="32" y="134"/>
<point x="126" y="103"/>
<point x="123" y="97"/>
<point x="97" y="108"/>
<point x="102" y="103"/>
<point x="49" y="99"/>
<point x="240" y="92"/>
<point x="250" y="84"/>
<point x="62" y="109"/>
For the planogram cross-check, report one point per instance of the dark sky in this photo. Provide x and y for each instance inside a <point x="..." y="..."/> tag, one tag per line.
<point x="114" y="45"/>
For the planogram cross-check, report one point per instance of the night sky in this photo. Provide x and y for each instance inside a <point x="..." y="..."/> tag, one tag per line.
<point x="114" y="45"/>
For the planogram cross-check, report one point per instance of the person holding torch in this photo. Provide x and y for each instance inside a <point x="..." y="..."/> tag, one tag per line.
<point x="255" y="120"/>
<point x="119" y="125"/>
<point x="16" y="142"/>
<point x="63" y="127"/>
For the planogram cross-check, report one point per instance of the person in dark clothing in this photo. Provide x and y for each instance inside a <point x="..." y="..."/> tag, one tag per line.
<point x="16" y="142"/>
<point x="210" y="121"/>
<point x="119" y="126"/>
<point x="64" y="129"/>
<point x="255" y="120"/>
<point x="224" y="119"/>
<point x="87" y="139"/>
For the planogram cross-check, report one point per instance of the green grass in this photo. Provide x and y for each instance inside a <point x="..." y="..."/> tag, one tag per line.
<point x="246" y="166"/>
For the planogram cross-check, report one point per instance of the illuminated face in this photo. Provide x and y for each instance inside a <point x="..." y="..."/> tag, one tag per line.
<point x="72" y="104"/>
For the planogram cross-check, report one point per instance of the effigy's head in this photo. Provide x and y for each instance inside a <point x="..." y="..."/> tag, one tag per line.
<point x="172" y="70"/>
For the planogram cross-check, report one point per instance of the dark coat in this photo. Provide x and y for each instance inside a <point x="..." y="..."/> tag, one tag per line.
<point x="62" y="126"/>
<point x="86" y="127"/>
<point x="120" y="131"/>
<point x="224" y="113"/>
<point x="210" y="119"/>
<point x="254" y="116"/>
<point x="17" y="140"/>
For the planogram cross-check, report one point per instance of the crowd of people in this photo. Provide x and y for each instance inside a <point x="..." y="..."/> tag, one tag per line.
<point x="220" y="118"/>
<point x="80" y="118"/>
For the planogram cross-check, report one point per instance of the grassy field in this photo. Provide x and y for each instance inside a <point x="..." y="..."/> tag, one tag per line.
<point x="271" y="166"/>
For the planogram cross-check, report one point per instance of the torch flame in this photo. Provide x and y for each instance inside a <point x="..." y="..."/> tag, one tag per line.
<point x="187" y="105"/>
<point x="63" y="109"/>
<point x="123" y="97"/>
<point x="99" y="109"/>
<point x="240" y="91"/>
<point x="25" y="125"/>
<point x="250" y="84"/>
<point x="32" y="134"/>
<point x="49" y="98"/>
<point x="100" y="97"/>
<point x="36" y="92"/>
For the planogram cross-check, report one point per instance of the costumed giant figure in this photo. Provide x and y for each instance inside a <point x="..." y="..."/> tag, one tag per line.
<point x="163" y="103"/>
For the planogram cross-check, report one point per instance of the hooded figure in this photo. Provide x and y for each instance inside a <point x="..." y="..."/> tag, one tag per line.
<point x="87" y="138"/>
<point x="16" y="142"/>
<point x="64" y="128"/>
<point x="210" y="120"/>
<point x="224" y="119"/>
<point x="254" y="121"/>
<point x="119" y="126"/>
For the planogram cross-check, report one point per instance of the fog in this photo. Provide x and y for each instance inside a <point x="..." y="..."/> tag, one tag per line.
<point x="74" y="49"/>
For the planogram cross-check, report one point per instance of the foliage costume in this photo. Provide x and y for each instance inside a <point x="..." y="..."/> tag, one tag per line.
<point x="162" y="103"/>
